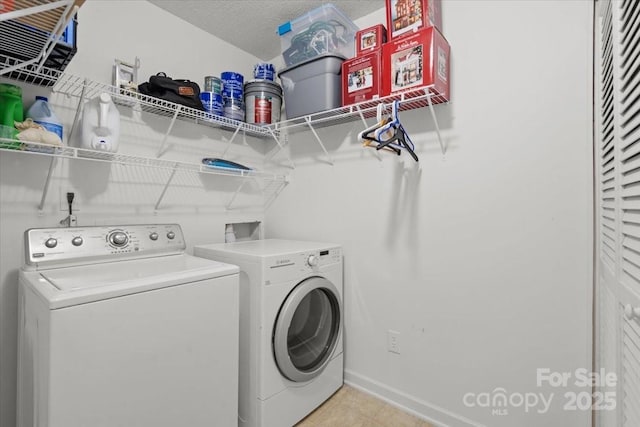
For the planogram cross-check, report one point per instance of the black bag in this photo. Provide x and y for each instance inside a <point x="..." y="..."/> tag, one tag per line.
<point x="184" y="92"/>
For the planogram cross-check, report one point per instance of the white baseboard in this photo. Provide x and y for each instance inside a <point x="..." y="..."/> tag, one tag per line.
<point x="424" y="410"/>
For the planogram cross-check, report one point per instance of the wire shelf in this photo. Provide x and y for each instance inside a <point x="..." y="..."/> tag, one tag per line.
<point x="33" y="148"/>
<point x="72" y="85"/>
<point x="29" y="32"/>
<point x="409" y="100"/>
<point x="80" y="87"/>
<point x="31" y="73"/>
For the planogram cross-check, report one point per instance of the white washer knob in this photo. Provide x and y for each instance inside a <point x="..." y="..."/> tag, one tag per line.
<point x="153" y="236"/>
<point x="118" y="239"/>
<point x="171" y="235"/>
<point x="77" y="241"/>
<point x="312" y="260"/>
<point x="51" y="243"/>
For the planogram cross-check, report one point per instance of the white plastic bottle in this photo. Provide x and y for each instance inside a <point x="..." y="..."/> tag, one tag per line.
<point x="42" y="114"/>
<point x="100" y="128"/>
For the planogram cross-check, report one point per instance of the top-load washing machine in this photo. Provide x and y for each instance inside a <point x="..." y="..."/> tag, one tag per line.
<point x="291" y="322"/>
<point x="120" y="327"/>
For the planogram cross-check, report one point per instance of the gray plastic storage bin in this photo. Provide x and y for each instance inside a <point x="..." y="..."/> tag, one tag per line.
<point x="313" y="85"/>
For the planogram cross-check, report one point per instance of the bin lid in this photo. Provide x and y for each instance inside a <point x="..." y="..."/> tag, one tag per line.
<point x="317" y="61"/>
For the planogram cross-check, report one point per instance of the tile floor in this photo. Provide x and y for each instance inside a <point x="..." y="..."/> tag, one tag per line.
<point x="349" y="407"/>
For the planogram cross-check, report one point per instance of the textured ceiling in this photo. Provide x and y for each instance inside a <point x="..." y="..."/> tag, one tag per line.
<point x="251" y="24"/>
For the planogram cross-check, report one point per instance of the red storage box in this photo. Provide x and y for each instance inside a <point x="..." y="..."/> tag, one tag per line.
<point x="370" y="39"/>
<point x="405" y="16"/>
<point x="361" y="78"/>
<point x="416" y="60"/>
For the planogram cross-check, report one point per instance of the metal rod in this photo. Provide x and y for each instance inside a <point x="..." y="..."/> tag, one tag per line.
<point x="435" y="122"/>
<point x="273" y="135"/>
<point x="231" y="140"/>
<point x="364" y="122"/>
<point x="45" y="190"/>
<point x="308" y="120"/>
<point x="244" y="181"/>
<point x="275" y="194"/>
<point x="166" y="134"/>
<point x="166" y="186"/>
<point x="78" y="110"/>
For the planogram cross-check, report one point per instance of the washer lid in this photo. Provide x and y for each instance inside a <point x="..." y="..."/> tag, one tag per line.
<point x="63" y="287"/>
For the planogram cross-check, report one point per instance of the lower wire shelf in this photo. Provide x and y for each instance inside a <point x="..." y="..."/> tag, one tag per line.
<point x="273" y="181"/>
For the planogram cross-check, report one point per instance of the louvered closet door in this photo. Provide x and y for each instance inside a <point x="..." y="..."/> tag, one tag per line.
<point x="618" y="244"/>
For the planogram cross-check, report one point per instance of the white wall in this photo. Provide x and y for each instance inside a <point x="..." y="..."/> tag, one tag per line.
<point x="481" y="258"/>
<point x="110" y="194"/>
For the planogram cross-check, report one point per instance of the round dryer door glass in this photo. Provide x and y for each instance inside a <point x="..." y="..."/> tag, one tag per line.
<point x="307" y="329"/>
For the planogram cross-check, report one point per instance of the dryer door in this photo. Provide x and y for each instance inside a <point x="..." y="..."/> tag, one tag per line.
<point x="307" y="329"/>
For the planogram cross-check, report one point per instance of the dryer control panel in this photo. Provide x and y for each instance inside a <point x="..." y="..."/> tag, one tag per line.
<point x="291" y="266"/>
<point x="80" y="245"/>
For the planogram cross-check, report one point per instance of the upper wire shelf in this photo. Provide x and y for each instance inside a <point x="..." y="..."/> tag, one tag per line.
<point x="76" y="86"/>
<point x="419" y="97"/>
<point x="408" y="100"/>
<point x="80" y="87"/>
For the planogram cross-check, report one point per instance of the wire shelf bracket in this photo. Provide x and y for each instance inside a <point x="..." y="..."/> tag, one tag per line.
<point x="281" y="147"/>
<point x="47" y="184"/>
<point x="166" y="187"/>
<point x="224" y="153"/>
<point x="163" y="144"/>
<point x="79" y="109"/>
<point x="309" y="123"/>
<point x="233" y="198"/>
<point x="435" y="121"/>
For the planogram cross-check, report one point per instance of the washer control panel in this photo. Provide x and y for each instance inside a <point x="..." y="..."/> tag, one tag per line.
<point x="79" y="244"/>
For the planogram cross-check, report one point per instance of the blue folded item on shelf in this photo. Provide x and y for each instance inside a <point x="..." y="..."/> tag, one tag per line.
<point x="221" y="163"/>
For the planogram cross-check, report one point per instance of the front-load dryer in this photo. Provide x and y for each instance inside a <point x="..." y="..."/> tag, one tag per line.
<point x="291" y="322"/>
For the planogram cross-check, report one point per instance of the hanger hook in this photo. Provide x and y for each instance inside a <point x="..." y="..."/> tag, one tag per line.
<point x="379" y="109"/>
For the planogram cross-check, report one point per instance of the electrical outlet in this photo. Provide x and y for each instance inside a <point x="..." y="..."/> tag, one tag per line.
<point x="393" y="341"/>
<point x="64" y="205"/>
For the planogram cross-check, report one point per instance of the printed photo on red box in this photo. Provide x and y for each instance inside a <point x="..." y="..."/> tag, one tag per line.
<point x="405" y="16"/>
<point x="370" y="38"/>
<point x="407" y="68"/>
<point x="361" y="78"/>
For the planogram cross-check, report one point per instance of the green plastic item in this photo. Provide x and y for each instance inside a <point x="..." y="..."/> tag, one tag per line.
<point x="11" y="111"/>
